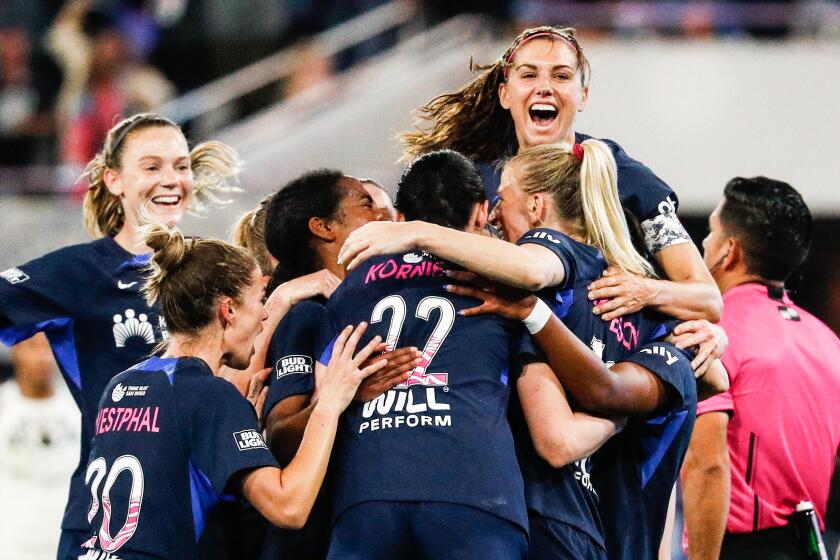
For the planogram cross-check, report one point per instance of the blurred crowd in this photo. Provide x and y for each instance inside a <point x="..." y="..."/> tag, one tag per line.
<point x="68" y="69"/>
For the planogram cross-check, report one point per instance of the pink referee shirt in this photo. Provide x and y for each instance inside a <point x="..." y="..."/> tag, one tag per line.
<point x="784" y="401"/>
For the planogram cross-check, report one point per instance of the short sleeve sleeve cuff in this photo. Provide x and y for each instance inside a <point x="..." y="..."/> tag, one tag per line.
<point x="719" y="403"/>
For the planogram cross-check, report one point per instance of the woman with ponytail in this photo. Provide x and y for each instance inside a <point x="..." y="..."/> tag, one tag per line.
<point x="531" y="96"/>
<point x="86" y="298"/>
<point x="560" y="205"/>
<point x="171" y="437"/>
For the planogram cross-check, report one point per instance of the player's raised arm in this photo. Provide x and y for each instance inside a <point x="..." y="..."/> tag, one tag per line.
<point x="285" y="497"/>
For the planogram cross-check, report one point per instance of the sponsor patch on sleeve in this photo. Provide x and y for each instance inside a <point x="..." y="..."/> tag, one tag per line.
<point x="14" y="276"/>
<point x="248" y="439"/>
<point x="296" y="363"/>
<point x="664" y="231"/>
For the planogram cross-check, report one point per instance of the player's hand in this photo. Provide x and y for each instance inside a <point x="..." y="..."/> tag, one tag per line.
<point x="497" y="299"/>
<point x="378" y="238"/>
<point x="710" y="341"/>
<point x="401" y="362"/>
<point x="620" y="293"/>
<point x="257" y="392"/>
<point x="287" y="294"/>
<point x="345" y="370"/>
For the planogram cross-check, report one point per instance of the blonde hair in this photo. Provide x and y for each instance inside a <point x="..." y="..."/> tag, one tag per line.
<point x="584" y="191"/>
<point x="249" y="233"/>
<point x="214" y="165"/>
<point x="188" y="277"/>
<point x="472" y="120"/>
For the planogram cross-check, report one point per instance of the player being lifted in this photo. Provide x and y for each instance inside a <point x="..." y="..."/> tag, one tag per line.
<point x="561" y="203"/>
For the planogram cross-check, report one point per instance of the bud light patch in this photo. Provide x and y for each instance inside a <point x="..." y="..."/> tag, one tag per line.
<point x="248" y="439"/>
<point x="296" y="363"/>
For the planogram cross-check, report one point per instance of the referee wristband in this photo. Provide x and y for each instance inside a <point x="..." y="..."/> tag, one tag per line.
<point x="538" y="317"/>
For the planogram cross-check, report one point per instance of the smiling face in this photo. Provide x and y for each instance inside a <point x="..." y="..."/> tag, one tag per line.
<point x="544" y="92"/>
<point x="355" y="210"/>
<point x="154" y="172"/>
<point x="510" y="214"/>
<point x="245" y="324"/>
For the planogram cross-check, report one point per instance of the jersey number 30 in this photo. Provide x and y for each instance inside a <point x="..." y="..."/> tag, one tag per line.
<point x="96" y="471"/>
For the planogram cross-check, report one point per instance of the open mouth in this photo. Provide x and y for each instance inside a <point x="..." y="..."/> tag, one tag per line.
<point x="167" y="199"/>
<point x="542" y="114"/>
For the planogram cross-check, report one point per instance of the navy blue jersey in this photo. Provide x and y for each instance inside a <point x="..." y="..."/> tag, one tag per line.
<point x="87" y="300"/>
<point x="569" y="494"/>
<point x="292" y="357"/>
<point x="443" y="435"/>
<point x="291" y="353"/>
<point x="646" y="196"/>
<point x="170" y="440"/>
<point x="636" y="470"/>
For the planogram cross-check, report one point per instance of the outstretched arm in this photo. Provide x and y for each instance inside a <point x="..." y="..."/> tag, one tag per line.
<point x="285" y="496"/>
<point x="626" y="389"/>
<point x="530" y="267"/>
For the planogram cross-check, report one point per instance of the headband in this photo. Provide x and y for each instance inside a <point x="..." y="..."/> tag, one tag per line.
<point x="506" y="59"/>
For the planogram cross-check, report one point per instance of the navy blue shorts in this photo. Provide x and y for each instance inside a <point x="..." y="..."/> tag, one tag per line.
<point x="70" y="544"/>
<point x="555" y="540"/>
<point x="424" y="531"/>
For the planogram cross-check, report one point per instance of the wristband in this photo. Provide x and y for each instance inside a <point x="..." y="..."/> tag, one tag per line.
<point x="538" y="317"/>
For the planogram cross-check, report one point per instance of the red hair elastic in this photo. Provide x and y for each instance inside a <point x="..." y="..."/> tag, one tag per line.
<point x="577" y="151"/>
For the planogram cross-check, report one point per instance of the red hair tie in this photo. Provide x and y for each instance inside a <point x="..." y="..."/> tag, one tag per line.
<point x="577" y="151"/>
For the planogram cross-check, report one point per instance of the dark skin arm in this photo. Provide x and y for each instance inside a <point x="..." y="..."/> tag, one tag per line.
<point x="626" y="389"/>
<point x="287" y="420"/>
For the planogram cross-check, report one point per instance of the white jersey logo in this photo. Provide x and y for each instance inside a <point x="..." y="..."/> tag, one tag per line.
<point x="118" y="393"/>
<point x="132" y="327"/>
<point x="660" y="351"/>
<point x="14" y="276"/>
<point x="124" y="286"/>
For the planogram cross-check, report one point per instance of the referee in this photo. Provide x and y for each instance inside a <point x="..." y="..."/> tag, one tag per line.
<point x="770" y="441"/>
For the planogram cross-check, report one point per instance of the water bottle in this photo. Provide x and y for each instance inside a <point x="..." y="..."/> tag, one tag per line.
<point x="808" y="531"/>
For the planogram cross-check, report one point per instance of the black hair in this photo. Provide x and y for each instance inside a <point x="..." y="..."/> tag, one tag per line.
<point x="440" y="187"/>
<point x="771" y="221"/>
<point x="287" y="235"/>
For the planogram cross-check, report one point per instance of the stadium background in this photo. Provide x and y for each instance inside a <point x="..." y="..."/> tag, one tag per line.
<point x="701" y="91"/>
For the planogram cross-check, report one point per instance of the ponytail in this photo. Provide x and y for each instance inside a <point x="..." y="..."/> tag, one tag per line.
<point x="582" y="183"/>
<point x="215" y="165"/>
<point x="603" y="216"/>
<point x="188" y="277"/>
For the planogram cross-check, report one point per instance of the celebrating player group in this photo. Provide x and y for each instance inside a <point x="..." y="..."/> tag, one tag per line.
<point x="441" y="376"/>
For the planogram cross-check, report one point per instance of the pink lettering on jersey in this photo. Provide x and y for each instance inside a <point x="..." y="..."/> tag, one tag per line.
<point x="125" y="419"/>
<point x="625" y="332"/>
<point x="406" y="271"/>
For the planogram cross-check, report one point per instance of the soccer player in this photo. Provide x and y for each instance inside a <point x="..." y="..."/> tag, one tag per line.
<point x="306" y="222"/>
<point x="562" y="205"/>
<point x="428" y="470"/>
<point x="531" y="96"/>
<point x="635" y="469"/>
<point x="86" y="298"/>
<point x="171" y="438"/>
